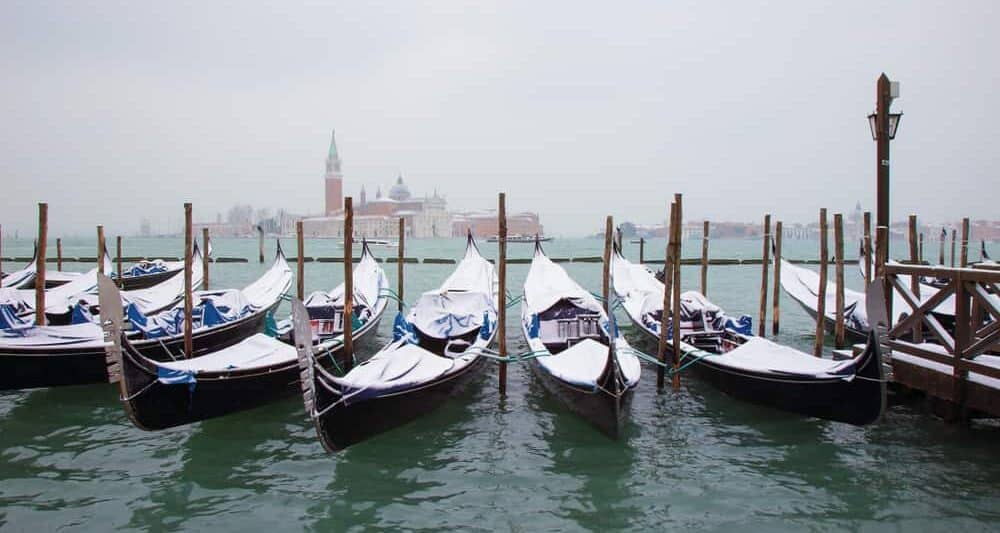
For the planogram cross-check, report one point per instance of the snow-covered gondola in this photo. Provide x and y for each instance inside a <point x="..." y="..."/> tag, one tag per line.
<point x="73" y="354"/>
<point x="756" y="369"/>
<point x="437" y="347"/>
<point x="579" y="356"/>
<point x="256" y="370"/>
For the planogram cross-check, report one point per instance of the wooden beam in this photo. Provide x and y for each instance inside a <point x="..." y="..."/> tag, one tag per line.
<point x="661" y="350"/>
<point x="101" y="248"/>
<point x="704" y="259"/>
<point x="676" y="320"/>
<point x="204" y="257"/>
<point x="869" y="258"/>
<point x="954" y="234"/>
<point x="399" y="264"/>
<point x="43" y="235"/>
<point x="766" y="254"/>
<point x="915" y="280"/>
<point x="608" y="235"/>
<point x="348" y="283"/>
<point x="300" y="270"/>
<point x="58" y="254"/>
<point x="642" y="250"/>
<point x="118" y="261"/>
<point x="821" y="290"/>
<point x="260" y="243"/>
<point x="838" y="243"/>
<point x="965" y="242"/>
<point x="941" y="239"/>
<point x="502" y="306"/>
<point x="776" y="295"/>
<point x="188" y="296"/>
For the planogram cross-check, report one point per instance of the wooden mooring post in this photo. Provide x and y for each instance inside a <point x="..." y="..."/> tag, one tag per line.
<point x="869" y="258"/>
<point x="300" y="261"/>
<point x="965" y="242"/>
<point x="776" y="295"/>
<point x="260" y="243"/>
<point x="766" y="255"/>
<point x="502" y="304"/>
<point x="58" y="254"/>
<point x="606" y="271"/>
<point x="954" y="235"/>
<point x="941" y="238"/>
<point x="399" y="264"/>
<point x="704" y="259"/>
<point x="821" y="292"/>
<point x="838" y="243"/>
<point x="101" y="249"/>
<point x="118" y="261"/>
<point x="676" y="307"/>
<point x="348" y="283"/>
<point x="43" y="235"/>
<point x="188" y="280"/>
<point x="914" y="254"/>
<point x="642" y="250"/>
<point x="661" y="350"/>
<point x="920" y="256"/>
<point x="204" y="258"/>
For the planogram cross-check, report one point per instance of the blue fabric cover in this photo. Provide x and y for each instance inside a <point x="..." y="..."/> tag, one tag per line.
<point x="169" y="376"/>
<point x="80" y="315"/>
<point x="486" y="329"/>
<point x="744" y="325"/>
<point x="401" y="329"/>
<point x="9" y="318"/>
<point x="213" y="309"/>
<point x="143" y="268"/>
<point x="534" y="326"/>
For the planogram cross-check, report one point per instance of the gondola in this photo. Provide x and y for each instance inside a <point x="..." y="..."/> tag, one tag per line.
<point x="254" y="371"/>
<point x="148" y="273"/>
<point x="756" y="369"/>
<point x="47" y="356"/>
<point x="326" y="308"/>
<point x="578" y="355"/>
<point x="437" y="348"/>
<point x="23" y="278"/>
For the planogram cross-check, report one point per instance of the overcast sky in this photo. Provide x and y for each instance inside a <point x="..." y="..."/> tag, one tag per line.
<point x="116" y="111"/>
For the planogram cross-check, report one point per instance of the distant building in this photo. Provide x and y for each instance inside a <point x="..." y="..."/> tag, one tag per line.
<point x="334" y="179"/>
<point x="484" y="224"/>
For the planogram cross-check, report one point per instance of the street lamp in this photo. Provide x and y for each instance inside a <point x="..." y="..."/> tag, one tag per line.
<point x="893" y="124"/>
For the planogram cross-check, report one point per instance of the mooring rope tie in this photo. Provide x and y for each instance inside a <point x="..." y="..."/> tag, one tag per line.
<point x="286" y="297"/>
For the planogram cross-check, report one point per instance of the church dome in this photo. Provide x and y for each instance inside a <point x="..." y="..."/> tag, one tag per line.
<point x="400" y="192"/>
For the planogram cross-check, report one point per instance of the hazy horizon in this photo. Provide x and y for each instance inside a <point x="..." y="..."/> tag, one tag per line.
<point x="118" y="112"/>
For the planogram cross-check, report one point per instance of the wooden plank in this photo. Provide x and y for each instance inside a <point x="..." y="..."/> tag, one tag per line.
<point x="776" y="296"/>
<point x="911" y="349"/>
<point x="766" y="254"/>
<point x="821" y="296"/>
<point x="969" y="274"/>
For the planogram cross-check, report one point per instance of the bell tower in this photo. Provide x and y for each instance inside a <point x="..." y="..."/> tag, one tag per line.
<point x="334" y="179"/>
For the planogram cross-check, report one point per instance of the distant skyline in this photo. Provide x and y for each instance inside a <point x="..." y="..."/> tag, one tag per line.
<point x="117" y="112"/>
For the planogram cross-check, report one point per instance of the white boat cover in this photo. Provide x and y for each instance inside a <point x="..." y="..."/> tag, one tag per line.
<point x="462" y="302"/>
<point x="762" y="355"/>
<point x="547" y="283"/>
<point x="20" y="278"/>
<point x="802" y="284"/>
<point x="409" y="366"/>
<point x="473" y="287"/>
<point x="256" y="351"/>
<point x="369" y="280"/>
<point x="87" y="335"/>
<point x="583" y="363"/>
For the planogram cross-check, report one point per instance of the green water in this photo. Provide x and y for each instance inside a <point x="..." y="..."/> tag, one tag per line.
<point x="694" y="459"/>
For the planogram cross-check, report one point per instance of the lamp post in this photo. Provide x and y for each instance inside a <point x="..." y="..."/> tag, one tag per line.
<point x="883" y="125"/>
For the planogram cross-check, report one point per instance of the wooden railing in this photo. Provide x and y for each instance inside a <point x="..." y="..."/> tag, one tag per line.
<point x="976" y="328"/>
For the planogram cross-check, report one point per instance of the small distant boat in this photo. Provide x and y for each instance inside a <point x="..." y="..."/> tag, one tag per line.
<point x="372" y="242"/>
<point x="437" y="347"/>
<point x="582" y="357"/>
<point x="520" y="239"/>
<point x="755" y="369"/>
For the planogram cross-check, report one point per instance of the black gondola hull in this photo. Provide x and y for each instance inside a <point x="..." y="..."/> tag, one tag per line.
<point x="29" y="369"/>
<point x="860" y="401"/>
<point x="153" y="405"/>
<point x="604" y="411"/>
<point x="144" y="281"/>
<point x="345" y="425"/>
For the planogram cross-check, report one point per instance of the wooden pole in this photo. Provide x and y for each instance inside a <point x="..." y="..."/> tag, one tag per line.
<point x="920" y="256"/>
<point x="642" y="250"/>
<point x="1" y="248"/>
<point x="676" y="320"/>
<point x="118" y="260"/>
<point x="883" y="100"/>
<point x="43" y="235"/>
<point x="915" y="280"/>
<point x="188" y="297"/>
<point x="838" y="240"/>
<point x="605" y="281"/>
<point x="300" y="269"/>
<point x="821" y="293"/>
<point x="965" y="242"/>
<point x="348" y="283"/>
<point x="776" y="295"/>
<point x="260" y="242"/>
<point x="869" y="259"/>
<point x="58" y="254"/>
<point x="101" y="248"/>
<point x="954" y="235"/>
<point x="204" y="257"/>
<point x="399" y="264"/>
<point x="882" y="234"/>
<point x="766" y="255"/>
<point x="941" y="238"/>
<point x="661" y="351"/>
<point x="502" y="305"/>
<point x="704" y="259"/>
